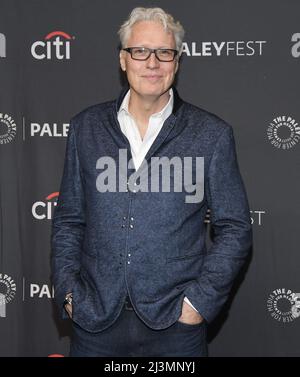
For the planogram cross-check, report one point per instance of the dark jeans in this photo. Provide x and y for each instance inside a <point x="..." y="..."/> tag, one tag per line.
<point x="128" y="336"/>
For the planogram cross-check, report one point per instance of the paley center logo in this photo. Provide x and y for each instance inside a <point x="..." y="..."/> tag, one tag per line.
<point x="39" y="129"/>
<point x="37" y="290"/>
<point x="296" y="46"/>
<point x="283" y="132"/>
<point x="2" y="46"/>
<point x="256" y="217"/>
<point x="8" y="128"/>
<point x="42" y="210"/>
<point x="49" y="129"/>
<point x="7" y="292"/>
<point x="224" y="48"/>
<point x="284" y="305"/>
<point x="56" y="45"/>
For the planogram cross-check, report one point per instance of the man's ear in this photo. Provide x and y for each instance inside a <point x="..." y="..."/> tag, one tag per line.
<point x="122" y="61"/>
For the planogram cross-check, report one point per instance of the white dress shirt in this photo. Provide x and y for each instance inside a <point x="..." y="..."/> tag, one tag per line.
<point x="139" y="147"/>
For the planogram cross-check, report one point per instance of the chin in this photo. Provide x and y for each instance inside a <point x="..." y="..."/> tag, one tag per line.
<point x="152" y="91"/>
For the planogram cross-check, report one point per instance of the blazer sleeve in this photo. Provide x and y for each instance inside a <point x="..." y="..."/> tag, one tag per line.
<point x="68" y="225"/>
<point x="230" y="220"/>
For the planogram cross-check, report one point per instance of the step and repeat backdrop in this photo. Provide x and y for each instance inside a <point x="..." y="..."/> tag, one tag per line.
<point x="241" y="61"/>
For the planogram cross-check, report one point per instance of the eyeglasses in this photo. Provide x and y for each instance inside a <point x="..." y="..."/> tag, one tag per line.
<point x="143" y="53"/>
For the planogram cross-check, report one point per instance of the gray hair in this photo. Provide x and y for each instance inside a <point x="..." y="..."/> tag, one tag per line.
<point x="152" y="14"/>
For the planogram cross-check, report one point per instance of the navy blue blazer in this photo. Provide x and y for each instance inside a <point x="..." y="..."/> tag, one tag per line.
<point x="150" y="245"/>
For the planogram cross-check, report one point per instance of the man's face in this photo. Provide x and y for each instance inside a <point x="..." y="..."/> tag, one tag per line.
<point x="150" y="77"/>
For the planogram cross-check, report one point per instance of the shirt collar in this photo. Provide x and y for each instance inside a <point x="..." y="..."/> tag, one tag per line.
<point x="164" y="113"/>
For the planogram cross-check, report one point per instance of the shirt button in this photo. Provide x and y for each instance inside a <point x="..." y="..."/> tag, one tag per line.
<point x="128" y="262"/>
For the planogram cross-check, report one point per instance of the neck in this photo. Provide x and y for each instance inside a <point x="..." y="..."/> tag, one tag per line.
<point x="142" y="108"/>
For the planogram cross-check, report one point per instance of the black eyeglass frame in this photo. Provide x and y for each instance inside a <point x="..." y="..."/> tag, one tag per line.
<point x="152" y="50"/>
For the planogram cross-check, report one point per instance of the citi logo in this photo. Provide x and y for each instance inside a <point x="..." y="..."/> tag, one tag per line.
<point x="42" y="210"/>
<point x="2" y="46"/>
<point x="55" y="46"/>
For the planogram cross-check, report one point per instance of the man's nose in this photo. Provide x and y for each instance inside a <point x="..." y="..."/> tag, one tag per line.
<point x="152" y="61"/>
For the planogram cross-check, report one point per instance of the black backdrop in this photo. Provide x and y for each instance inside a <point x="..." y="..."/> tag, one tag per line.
<point x="241" y="61"/>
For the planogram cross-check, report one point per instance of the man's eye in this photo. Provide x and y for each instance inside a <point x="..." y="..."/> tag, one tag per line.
<point x="140" y="51"/>
<point x="165" y="52"/>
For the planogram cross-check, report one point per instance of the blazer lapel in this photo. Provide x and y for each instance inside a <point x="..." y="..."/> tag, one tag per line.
<point x="170" y="129"/>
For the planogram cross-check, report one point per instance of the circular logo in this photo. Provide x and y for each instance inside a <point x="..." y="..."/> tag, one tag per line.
<point x="284" y="305"/>
<point x="283" y="132"/>
<point x="8" y="128"/>
<point x="7" y="289"/>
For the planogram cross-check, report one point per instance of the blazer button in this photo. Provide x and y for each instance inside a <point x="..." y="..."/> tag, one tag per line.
<point x="131" y="226"/>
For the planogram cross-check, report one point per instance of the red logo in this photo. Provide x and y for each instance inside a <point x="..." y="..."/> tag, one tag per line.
<point x="55" y="46"/>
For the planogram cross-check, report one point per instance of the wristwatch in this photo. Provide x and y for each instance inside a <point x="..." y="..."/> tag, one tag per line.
<point x="68" y="299"/>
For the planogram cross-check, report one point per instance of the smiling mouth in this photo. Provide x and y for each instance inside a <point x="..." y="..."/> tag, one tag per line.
<point x="152" y="77"/>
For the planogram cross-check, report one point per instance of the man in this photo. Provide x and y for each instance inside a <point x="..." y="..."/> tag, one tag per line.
<point x="130" y="264"/>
